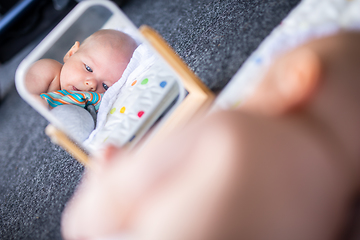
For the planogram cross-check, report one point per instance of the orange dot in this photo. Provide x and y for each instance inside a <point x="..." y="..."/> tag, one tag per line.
<point x="134" y="82"/>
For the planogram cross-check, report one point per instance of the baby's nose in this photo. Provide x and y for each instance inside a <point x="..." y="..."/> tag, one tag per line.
<point x="90" y="83"/>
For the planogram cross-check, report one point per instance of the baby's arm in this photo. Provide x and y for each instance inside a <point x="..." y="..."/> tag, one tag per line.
<point x="43" y="76"/>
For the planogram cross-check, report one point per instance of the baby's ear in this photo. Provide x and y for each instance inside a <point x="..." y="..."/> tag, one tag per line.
<point x="72" y="50"/>
<point x="290" y="82"/>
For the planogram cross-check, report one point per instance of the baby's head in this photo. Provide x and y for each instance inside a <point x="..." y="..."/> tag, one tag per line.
<point x="98" y="62"/>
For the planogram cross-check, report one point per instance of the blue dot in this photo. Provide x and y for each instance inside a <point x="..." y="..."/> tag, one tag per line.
<point x="132" y="138"/>
<point x="258" y="60"/>
<point x="163" y="84"/>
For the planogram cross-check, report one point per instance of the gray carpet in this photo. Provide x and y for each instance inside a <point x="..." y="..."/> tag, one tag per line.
<point x="37" y="178"/>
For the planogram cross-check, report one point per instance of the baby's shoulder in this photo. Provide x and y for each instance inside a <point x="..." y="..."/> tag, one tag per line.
<point x="49" y="65"/>
<point x="42" y="74"/>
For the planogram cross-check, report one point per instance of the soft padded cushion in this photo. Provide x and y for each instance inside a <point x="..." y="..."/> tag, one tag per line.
<point x="76" y="120"/>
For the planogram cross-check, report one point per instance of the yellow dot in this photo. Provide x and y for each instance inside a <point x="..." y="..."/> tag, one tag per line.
<point x="122" y="110"/>
<point x="112" y="110"/>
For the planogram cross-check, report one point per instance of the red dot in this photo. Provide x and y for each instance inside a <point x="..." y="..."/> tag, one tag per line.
<point x="140" y="113"/>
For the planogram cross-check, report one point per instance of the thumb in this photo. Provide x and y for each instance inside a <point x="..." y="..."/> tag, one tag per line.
<point x="288" y="84"/>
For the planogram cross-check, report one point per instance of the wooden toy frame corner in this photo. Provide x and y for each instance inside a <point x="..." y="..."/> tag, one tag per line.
<point x="199" y="98"/>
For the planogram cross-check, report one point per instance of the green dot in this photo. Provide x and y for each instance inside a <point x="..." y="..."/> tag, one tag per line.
<point x="112" y="110"/>
<point x="145" y="81"/>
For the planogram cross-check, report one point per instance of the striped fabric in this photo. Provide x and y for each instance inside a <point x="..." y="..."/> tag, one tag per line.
<point x="81" y="99"/>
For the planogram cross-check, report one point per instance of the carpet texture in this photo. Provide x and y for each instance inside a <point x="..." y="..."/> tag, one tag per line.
<point x="37" y="178"/>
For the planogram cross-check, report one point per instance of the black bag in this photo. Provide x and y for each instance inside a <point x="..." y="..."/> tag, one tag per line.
<point x="25" y="20"/>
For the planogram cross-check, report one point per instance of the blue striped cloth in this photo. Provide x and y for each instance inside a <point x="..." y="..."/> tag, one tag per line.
<point x="81" y="99"/>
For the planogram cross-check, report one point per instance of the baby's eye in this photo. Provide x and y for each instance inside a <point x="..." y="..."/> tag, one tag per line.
<point x="88" y="68"/>
<point x="105" y="86"/>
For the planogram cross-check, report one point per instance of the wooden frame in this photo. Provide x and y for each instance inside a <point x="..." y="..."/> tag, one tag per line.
<point x="199" y="96"/>
<point x="197" y="101"/>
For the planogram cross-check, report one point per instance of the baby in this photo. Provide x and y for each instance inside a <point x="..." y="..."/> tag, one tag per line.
<point x="93" y="66"/>
<point x="285" y="166"/>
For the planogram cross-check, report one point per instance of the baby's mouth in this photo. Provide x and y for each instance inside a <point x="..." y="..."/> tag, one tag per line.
<point x="75" y="89"/>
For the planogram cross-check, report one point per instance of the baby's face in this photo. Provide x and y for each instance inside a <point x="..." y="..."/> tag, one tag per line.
<point x="93" y="67"/>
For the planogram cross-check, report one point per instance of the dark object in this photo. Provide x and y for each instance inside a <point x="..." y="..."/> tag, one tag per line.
<point x="11" y="17"/>
<point x="25" y="21"/>
<point x="120" y="3"/>
<point x="92" y="111"/>
<point x="5" y="6"/>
